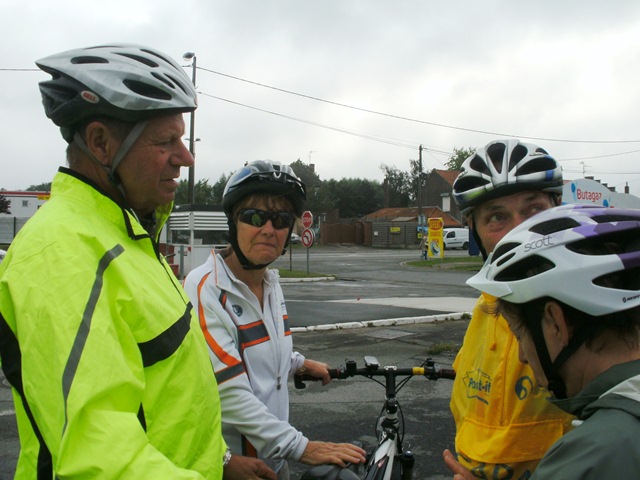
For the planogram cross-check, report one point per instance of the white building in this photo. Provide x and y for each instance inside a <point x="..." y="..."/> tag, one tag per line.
<point x="24" y="204"/>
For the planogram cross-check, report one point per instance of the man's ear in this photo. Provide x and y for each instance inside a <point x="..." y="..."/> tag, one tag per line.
<point x="100" y="142"/>
<point x="559" y="331"/>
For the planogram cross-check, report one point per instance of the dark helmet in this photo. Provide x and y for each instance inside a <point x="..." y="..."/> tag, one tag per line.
<point x="504" y="167"/>
<point x="264" y="176"/>
<point x="261" y="176"/>
<point x="132" y="83"/>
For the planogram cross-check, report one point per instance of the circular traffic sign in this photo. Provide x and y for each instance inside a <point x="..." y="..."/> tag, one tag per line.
<point x="307" y="219"/>
<point x="307" y="237"/>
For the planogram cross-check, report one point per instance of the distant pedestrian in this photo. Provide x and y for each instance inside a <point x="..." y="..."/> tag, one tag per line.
<point x="424" y="245"/>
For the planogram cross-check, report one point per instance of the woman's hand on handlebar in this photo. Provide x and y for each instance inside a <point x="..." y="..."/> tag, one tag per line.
<point x="318" y="453"/>
<point x="319" y="370"/>
<point x="246" y="468"/>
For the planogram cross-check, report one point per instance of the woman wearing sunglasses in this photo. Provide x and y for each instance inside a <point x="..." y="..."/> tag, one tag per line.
<point x="244" y="319"/>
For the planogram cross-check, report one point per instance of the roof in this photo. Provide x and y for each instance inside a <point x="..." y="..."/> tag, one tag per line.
<point x="410" y="214"/>
<point x="448" y="175"/>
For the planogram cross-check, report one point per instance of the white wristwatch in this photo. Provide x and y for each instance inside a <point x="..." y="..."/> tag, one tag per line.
<point x="226" y="458"/>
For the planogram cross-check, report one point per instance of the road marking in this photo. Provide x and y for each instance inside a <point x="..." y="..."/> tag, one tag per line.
<point x="4" y="413"/>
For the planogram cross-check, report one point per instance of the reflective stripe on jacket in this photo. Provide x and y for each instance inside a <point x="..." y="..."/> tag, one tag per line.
<point x="111" y="371"/>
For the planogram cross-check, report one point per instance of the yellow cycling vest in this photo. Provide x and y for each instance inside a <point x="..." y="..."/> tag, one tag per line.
<point x="111" y="372"/>
<point x="504" y="422"/>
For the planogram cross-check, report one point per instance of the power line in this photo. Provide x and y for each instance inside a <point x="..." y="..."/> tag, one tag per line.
<point x="399" y="117"/>
<point x="377" y="138"/>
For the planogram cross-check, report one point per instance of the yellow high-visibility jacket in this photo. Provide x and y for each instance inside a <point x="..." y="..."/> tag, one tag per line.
<point x="504" y="420"/>
<point x="110" y="369"/>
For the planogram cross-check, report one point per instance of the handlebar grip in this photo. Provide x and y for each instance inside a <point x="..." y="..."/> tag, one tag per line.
<point x="449" y="373"/>
<point x="298" y="380"/>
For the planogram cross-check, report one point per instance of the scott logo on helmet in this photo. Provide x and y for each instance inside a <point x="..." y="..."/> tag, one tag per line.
<point x="543" y="242"/>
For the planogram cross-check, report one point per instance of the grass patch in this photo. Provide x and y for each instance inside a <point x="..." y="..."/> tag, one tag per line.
<point x="470" y="264"/>
<point x="286" y="273"/>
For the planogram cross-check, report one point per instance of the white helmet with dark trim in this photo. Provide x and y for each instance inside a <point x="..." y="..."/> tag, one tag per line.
<point x="504" y="167"/>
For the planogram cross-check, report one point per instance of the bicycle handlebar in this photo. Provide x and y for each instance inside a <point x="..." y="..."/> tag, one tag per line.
<point x="374" y="370"/>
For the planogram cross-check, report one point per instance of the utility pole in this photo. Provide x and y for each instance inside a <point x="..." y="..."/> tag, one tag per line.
<point x="192" y="133"/>
<point x="420" y="186"/>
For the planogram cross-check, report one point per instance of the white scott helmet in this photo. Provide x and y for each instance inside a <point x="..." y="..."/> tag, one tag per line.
<point x="504" y="167"/>
<point x="551" y="255"/>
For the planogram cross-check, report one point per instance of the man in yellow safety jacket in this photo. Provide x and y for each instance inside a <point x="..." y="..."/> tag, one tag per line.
<point x="110" y="372"/>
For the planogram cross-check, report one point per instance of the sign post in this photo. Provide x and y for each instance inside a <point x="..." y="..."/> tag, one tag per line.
<point x="308" y="236"/>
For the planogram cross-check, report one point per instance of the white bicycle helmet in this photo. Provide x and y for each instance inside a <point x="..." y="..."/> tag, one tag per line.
<point x="553" y="240"/>
<point x="504" y="167"/>
<point x="127" y="82"/>
<point x="261" y="176"/>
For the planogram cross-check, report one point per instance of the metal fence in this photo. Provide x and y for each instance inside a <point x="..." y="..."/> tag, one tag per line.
<point x="9" y="227"/>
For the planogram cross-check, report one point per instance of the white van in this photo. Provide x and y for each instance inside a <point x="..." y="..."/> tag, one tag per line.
<point x="456" y="238"/>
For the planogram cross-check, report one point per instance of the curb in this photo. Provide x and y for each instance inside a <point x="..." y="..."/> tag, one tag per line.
<point x="383" y="323"/>
<point x="307" y="279"/>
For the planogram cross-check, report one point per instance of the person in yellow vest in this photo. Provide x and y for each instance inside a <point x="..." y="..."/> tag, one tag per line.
<point x="504" y="422"/>
<point x="109" y="369"/>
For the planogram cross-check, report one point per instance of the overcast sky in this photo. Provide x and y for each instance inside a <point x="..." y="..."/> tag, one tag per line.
<point x="444" y="74"/>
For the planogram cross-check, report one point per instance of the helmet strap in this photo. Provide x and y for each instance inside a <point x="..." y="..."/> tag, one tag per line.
<point x="556" y="384"/>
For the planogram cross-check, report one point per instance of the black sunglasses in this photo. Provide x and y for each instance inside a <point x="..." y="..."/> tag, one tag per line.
<point x="259" y="218"/>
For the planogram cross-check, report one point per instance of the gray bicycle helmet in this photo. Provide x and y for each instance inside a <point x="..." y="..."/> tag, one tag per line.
<point x="504" y="167"/>
<point x="566" y="253"/>
<point x="261" y="176"/>
<point x="127" y="82"/>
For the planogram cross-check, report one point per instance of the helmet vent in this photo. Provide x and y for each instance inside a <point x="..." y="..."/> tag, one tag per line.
<point x="554" y="225"/>
<point x="527" y="268"/>
<point x="606" y="218"/>
<point x="88" y="59"/>
<point x="518" y="153"/>
<point x="155" y="54"/>
<point x="478" y="165"/>
<point x="501" y="251"/>
<point x="146" y="90"/>
<point x="146" y="61"/>
<point x="163" y="80"/>
<point x="178" y="83"/>
<point x="542" y="164"/>
<point x="495" y="152"/>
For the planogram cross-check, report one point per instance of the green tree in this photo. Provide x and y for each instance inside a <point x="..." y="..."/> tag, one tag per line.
<point x="306" y="174"/>
<point x="399" y="186"/>
<point x="5" y="204"/>
<point x="42" y="187"/>
<point x="354" y="197"/>
<point x="459" y="156"/>
<point x="203" y="193"/>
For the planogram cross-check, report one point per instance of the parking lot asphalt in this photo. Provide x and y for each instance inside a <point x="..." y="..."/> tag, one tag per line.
<point x="346" y="410"/>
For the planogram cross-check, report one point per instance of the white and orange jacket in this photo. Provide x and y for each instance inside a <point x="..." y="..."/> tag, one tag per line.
<point x="252" y="355"/>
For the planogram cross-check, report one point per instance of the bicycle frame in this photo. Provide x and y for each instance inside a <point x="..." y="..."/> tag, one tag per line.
<point x="389" y="460"/>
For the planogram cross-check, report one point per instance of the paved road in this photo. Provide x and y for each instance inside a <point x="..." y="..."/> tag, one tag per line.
<point x="372" y="285"/>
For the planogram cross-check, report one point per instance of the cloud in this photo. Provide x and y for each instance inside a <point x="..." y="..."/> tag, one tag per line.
<point x="552" y="70"/>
